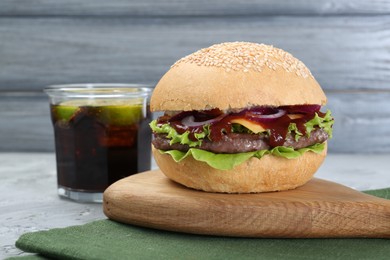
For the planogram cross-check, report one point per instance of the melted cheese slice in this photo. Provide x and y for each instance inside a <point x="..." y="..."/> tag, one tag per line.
<point x="294" y="116"/>
<point x="255" y="128"/>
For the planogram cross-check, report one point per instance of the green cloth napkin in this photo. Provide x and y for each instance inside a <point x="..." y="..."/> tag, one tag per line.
<point x="106" y="239"/>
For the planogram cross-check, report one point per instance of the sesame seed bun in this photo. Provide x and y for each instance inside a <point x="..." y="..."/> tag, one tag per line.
<point x="270" y="173"/>
<point x="236" y="75"/>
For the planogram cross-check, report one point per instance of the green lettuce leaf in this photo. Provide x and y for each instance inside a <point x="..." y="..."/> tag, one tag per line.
<point x="179" y="138"/>
<point x="229" y="161"/>
<point x="293" y="128"/>
<point x="325" y="123"/>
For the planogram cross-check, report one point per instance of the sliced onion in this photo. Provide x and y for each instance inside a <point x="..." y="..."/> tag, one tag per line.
<point x="279" y="113"/>
<point x="189" y="121"/>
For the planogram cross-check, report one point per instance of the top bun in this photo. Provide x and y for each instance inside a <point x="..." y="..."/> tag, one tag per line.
<point x="236" y="75"/>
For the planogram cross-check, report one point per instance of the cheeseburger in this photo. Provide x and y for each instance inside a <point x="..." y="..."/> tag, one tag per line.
<point x="240" y="117"/>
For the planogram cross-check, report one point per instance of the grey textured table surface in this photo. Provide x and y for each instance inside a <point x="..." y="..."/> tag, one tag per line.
<point x="29" y="201"/>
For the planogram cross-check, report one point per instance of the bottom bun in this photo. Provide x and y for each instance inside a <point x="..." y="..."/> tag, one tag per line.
<point x="270" y="173"/>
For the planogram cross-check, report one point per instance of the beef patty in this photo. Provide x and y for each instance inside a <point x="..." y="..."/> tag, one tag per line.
<point x="240" y="143"/>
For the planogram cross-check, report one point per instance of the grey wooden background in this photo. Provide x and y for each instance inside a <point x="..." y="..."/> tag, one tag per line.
<point x="345" y="43"/>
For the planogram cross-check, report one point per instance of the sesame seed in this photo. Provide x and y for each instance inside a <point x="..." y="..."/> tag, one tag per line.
<point x="246" y="56"/>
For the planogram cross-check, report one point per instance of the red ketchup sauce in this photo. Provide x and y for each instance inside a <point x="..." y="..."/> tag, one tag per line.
<point x="278" y="127"/>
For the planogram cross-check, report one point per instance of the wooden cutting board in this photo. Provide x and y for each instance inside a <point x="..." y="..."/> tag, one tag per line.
<point x="318" y="209"/>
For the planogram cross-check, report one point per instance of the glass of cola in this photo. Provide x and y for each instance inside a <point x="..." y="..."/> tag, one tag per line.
<point x="101" y="135"/>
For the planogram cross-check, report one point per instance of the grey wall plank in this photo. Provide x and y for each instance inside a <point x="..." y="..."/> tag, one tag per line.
<point x="342" y="52"/>
<point x="25" y="122"/>
<point x="190" y="7"/>
<point x="362" y="122"/>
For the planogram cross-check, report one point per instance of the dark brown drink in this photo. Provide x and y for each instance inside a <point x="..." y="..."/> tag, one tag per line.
<point x="98" y="145"/>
